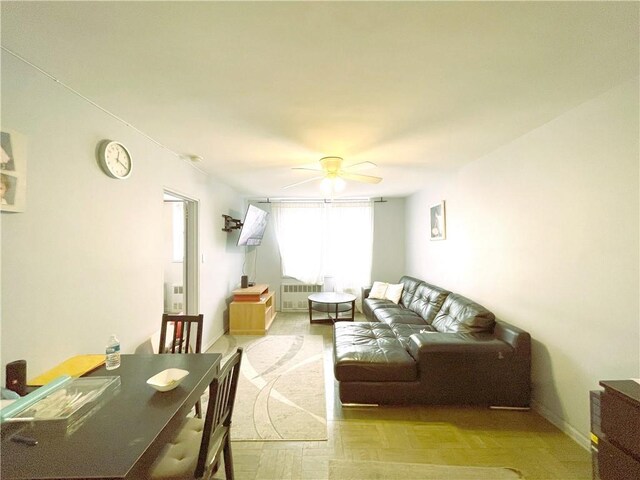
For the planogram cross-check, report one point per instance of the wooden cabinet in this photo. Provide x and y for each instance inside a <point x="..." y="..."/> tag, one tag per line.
<point x="252" y="310"/>
<point x="618" y="447"/>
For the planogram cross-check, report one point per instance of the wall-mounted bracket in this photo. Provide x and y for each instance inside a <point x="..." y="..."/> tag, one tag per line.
<point x="231" y="224"/>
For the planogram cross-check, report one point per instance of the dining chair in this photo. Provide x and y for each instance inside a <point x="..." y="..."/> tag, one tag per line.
<point x="196" y="449"/>
<point x="181" y="338"/>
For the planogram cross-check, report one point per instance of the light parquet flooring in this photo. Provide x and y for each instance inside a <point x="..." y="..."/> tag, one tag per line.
<point x="415" y="434"/>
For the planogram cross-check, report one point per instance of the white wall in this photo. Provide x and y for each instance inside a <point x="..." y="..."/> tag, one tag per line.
<point x="544" y="232"/>
<point x="86" y="258"/>
<point x="388" y="240"/>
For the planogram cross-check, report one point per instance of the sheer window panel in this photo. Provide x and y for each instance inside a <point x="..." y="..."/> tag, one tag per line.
<point x="318" y="239"/>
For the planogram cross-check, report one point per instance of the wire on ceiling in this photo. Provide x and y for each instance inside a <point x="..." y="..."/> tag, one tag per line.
<point x="315" y="200"/>
<point x="99" y="107"/>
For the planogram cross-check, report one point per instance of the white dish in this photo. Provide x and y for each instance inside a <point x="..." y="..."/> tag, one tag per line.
<point x="167" y="379"/>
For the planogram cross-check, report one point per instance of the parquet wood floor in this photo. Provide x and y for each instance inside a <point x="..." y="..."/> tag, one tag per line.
<point x="415" y="434"/>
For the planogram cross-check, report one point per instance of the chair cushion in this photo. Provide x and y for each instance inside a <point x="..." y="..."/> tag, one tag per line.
<point x="178" y="458"/>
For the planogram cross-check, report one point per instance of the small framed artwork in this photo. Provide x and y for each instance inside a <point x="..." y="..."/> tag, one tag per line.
<point x="438" y="222"/>
<point x="13" y="172"/>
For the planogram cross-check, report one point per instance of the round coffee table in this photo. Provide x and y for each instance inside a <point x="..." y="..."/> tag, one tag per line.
<point x="332" y="303"/>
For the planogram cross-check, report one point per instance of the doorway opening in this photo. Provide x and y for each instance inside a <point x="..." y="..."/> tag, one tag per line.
<point x="180" y="270"/>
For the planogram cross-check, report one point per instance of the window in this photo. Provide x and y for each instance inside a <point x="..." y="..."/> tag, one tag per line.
<point x="318" y="239"/>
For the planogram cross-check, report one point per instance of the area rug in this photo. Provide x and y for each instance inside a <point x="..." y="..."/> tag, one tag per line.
<point x="281" y="388"/>
<point x="365" y="470"/>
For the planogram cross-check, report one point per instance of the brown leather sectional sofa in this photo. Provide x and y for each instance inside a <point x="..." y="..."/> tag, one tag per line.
<point x="433" y="347"/>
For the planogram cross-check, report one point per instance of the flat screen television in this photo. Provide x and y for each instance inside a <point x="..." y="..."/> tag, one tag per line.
<point x="253" y="227"/>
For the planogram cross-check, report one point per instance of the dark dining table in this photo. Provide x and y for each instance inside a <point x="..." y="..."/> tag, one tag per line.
<point x="119" y="438"/>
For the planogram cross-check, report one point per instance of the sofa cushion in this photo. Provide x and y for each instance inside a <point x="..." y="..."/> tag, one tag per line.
<point x="403" y="332"/>
<point x="397" y="315"/>
<point x="410" y="286"/>
<point x="394" y="292"/>
<point x="427" y="301"/>
<point x="386" y="291"/>
<point x="369" y="305"/>
<point x="378" y="290"/>
<point x="461" y="315"/>
<point x="366" y="351"/>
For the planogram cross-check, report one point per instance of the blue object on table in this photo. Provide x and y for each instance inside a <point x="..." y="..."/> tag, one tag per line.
<point x="31" y="398"/>
<point x="7" y="394"/>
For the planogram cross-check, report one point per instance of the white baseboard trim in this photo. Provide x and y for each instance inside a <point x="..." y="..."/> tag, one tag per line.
<point x="559" y="422"/>
<point x="216" y="337"/>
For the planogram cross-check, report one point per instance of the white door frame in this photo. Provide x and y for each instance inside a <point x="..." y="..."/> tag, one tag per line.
<point x="192" y="251"/>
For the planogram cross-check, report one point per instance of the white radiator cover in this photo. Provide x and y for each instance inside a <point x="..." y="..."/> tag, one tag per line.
<point x="294" y="297"/>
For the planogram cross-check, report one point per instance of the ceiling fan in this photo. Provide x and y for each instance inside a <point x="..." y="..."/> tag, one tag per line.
<point x="334" y="174"/>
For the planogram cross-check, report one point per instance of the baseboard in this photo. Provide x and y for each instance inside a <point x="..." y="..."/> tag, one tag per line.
<point x="559" y="422"/>
<point x="211" y="342"/>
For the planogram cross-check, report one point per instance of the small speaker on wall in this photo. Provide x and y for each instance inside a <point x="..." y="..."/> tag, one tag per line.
<point x="244" y="281"/>
<point x="16" y="375"/>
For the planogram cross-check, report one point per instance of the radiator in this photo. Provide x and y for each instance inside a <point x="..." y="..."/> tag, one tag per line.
<point x="293" y="297"/>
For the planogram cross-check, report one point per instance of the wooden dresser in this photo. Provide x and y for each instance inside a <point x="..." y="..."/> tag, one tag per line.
<point x="617" y="456"/>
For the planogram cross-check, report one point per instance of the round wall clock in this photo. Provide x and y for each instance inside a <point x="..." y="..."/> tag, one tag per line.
<point x="115" y="159"/>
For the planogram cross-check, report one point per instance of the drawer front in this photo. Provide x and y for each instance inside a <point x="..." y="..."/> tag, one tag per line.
<point x="621" y="422"/>
<point x="614" y="464"/>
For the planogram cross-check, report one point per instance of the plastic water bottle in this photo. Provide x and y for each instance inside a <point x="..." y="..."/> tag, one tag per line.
<point x="113" y="353"/>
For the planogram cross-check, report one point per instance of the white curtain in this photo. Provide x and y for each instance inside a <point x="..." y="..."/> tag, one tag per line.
<point x="349" y="245"/>
<point x="326" y="239"/>
<point x="299" y="232"/>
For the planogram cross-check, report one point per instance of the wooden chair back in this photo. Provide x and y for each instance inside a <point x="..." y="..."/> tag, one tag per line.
<point x="182" y="333"/>
<point x="217" y="423"/>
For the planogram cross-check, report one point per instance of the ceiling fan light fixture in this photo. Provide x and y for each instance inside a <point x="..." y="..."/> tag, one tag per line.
<point x="326" y="185"/>
<point x="332" y="184"/>
<point x="335" y="177"/>
<point x="331" y="164"/>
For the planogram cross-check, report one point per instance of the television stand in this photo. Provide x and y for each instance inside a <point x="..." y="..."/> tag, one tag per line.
<point x="252" y="310"/>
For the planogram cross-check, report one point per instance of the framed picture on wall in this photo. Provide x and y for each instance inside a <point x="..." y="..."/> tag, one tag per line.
<point x="13" y="172"/>
<point x="438" y="223"/>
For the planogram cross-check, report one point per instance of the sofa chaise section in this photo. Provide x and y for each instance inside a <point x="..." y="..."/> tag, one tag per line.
<point x="433" y="347"/>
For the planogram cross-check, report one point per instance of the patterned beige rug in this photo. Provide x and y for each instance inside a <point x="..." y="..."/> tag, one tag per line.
<point x="281" y="387"/>
<point x="365" y="470"/>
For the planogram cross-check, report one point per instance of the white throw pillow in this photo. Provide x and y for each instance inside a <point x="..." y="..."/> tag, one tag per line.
<point x="378" y="290"/>
<point x="394" y="292"/>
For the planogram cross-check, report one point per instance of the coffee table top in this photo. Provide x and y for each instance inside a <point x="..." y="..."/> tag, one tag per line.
<point x="332" y="297"/>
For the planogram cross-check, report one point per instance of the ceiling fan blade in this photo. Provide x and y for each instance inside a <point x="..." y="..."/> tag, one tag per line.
<point x="357" y="167"/>
<point x="304" y="181"/>
<point x="309" y="169"/>
<point x="360" y="178"/>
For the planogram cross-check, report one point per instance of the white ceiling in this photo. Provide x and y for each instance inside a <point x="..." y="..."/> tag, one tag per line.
<point x="256" y="88"/>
